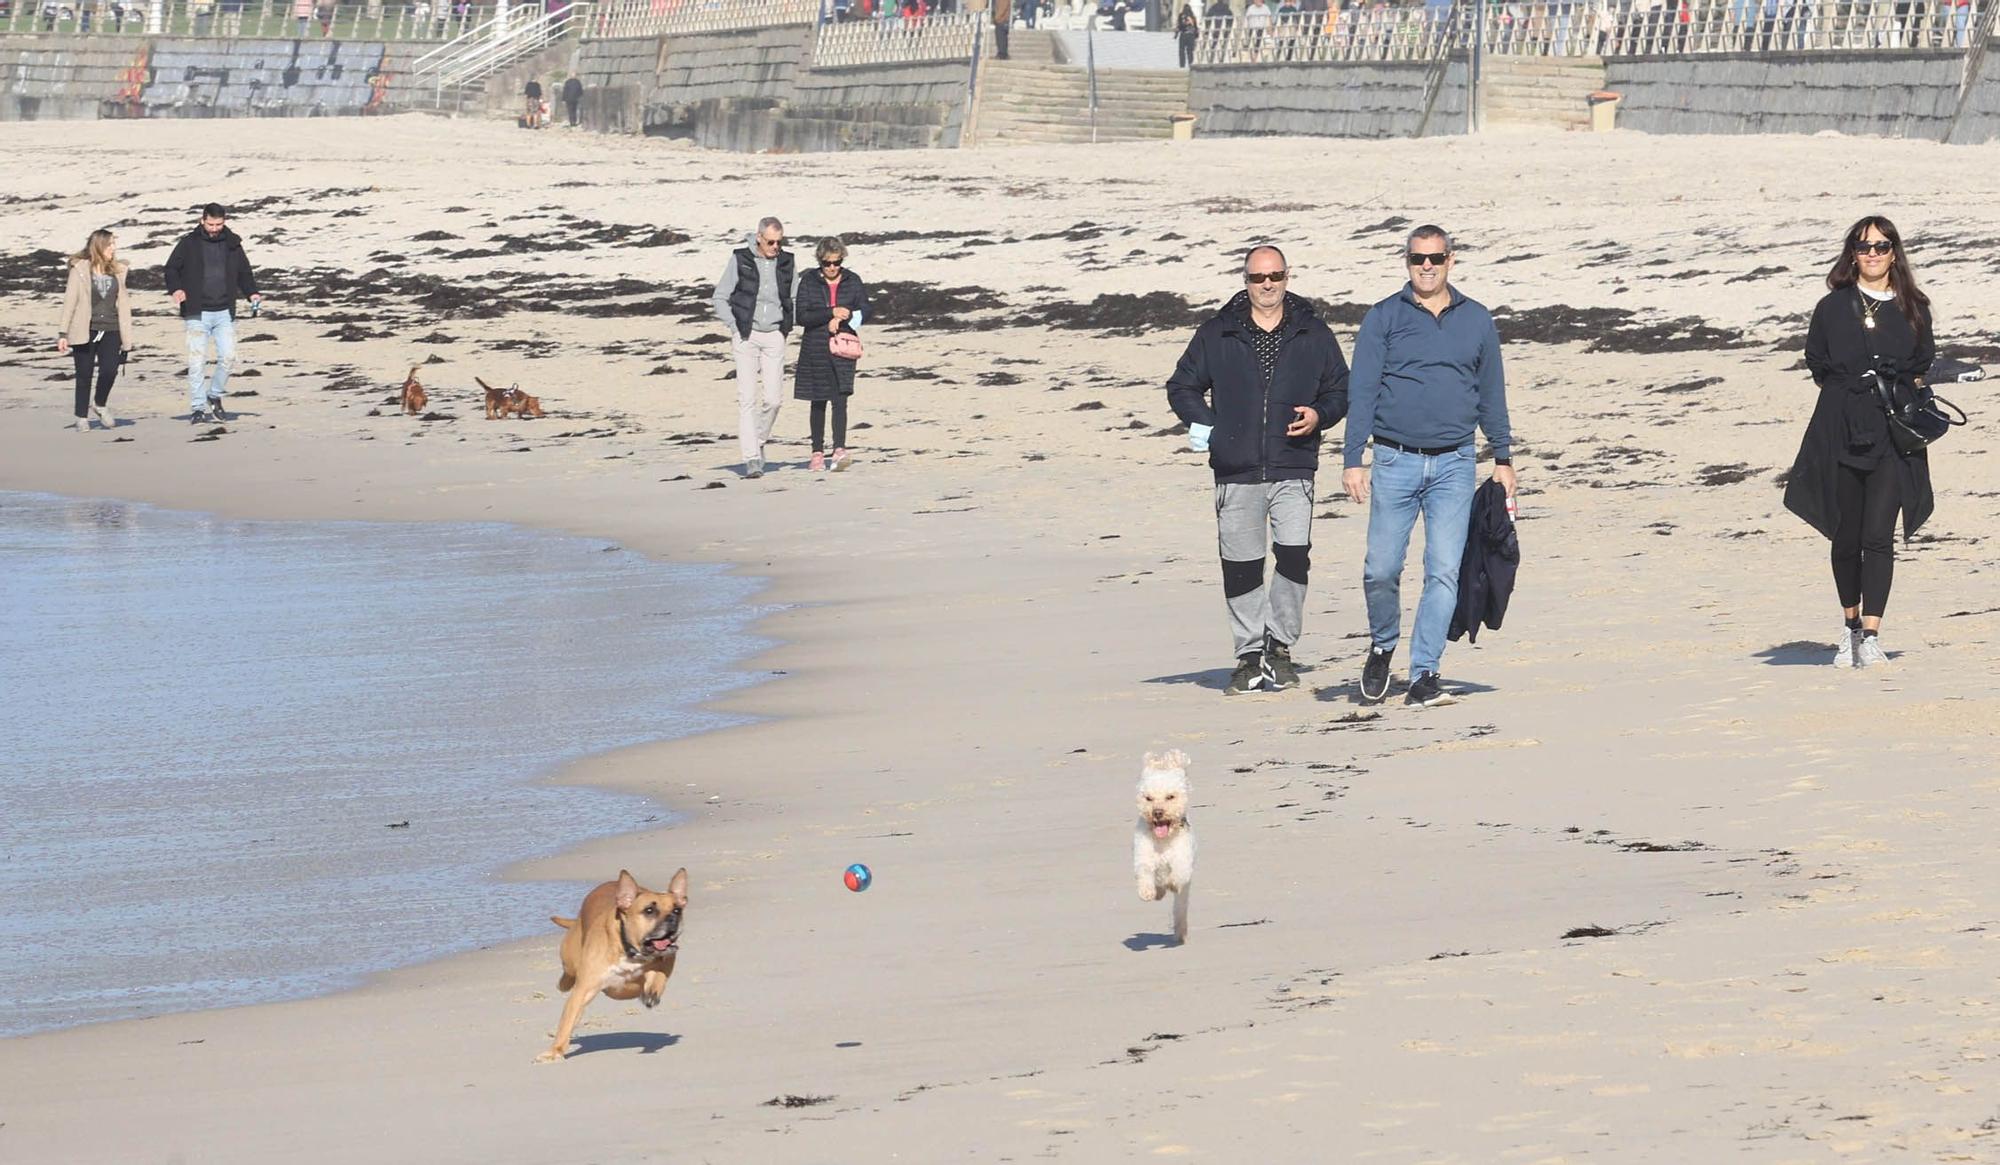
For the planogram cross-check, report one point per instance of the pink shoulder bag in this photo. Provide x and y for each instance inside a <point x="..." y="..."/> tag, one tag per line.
<point x="845" y="345"/>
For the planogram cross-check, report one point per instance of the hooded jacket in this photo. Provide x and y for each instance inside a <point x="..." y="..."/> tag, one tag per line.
<point x="187" y="270"/>
<point x="1219" y="382"/>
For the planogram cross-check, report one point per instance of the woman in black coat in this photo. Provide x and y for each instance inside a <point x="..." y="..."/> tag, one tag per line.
<point x="1849" y="481"/>
<point x="830" y="300"/>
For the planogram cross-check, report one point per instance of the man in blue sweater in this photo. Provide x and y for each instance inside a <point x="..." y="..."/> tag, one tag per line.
<point x="1426" y="371"/>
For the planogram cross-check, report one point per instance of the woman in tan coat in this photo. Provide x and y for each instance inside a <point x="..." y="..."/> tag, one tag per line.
<point x="96" y="324"/>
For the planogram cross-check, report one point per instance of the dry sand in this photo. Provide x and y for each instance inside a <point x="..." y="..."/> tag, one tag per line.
<point x="1014" y="594"/>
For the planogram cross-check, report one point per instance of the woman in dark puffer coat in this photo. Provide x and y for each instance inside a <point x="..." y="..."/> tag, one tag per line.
<point x="830" y="301"/>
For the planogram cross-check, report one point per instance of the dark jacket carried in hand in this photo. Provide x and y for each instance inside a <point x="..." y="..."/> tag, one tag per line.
<point x="1848" y="426"/>
<point x="1219" y="382"/>
<point x="821" y="374"/>
<point x="1486" y="573"/>
<point x="213" y="273"/>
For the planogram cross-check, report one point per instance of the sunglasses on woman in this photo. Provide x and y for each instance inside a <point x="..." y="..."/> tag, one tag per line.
<point x="1882" y="247"/>
<point x="833" y="263"/>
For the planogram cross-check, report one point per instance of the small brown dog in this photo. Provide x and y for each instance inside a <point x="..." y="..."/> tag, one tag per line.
<point x="495" y="398"/>
<point x="521" y="404"/>
<point x="621" y="944"/>
<point x="414" y="399"/>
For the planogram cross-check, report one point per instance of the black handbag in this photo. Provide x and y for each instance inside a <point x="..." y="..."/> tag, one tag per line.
<point x="1917" y="416"/>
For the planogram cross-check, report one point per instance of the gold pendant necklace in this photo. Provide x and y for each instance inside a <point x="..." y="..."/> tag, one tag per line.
<point x="1869" y="306"/>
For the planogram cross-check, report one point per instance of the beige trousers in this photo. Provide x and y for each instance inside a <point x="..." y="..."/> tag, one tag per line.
<point x="760" y="375"/>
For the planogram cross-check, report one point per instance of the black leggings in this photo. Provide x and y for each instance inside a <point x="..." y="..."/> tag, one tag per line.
<point x="104" y="353"/>
<point x="839" y="403"/>
<point x="1864" y="544"/>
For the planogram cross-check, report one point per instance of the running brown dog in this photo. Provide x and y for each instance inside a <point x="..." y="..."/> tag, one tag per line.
<point x="621" y="944"/>
<point x="414" y="399"/>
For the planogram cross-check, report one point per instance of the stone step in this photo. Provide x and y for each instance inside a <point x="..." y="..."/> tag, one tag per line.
<point x="1503" y="117"/>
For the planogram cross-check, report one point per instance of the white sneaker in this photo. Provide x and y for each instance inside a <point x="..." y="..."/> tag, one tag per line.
<point x="1869" y="653"/>
<point x="83" y="424"/>
<point x="1843" y="653"/>
<point x="104" y="416"/>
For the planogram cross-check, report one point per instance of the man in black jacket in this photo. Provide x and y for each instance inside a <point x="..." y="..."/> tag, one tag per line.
<point x="1257" y="386"/>
<point x="205" y="273"/>
<point x="572" y="95"/>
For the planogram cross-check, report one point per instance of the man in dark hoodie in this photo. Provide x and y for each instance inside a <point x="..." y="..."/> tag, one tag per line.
<point x="1257" y="386"/>
<point x="205" y="273"/>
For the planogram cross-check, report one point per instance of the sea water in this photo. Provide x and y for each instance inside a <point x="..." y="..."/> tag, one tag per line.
<point x="245" y="761"/>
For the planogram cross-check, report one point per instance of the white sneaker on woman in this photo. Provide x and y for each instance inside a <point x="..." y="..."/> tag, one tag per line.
<point x="83" y="424"/>
<point x="1843" y="652"/>
<point x="104" y="417"/>
<point x="1869" y="653"/>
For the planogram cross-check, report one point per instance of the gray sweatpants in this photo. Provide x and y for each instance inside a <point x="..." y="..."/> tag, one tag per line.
<point x="1244" y="514"/>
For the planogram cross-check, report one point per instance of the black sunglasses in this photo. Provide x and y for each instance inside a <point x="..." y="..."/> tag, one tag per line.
<point x="831" y="262"/>
<point x="1427" y="258"/>
<point x="1265" y="277"/>
<point x="1877" y="248"/>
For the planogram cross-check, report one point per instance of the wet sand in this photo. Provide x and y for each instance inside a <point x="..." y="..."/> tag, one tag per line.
<point x="1777" y="875"/>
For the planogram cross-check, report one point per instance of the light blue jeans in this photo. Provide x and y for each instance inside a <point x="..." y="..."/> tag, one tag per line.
<point x="1401" y="486"/>
<point x="219" y="326"/>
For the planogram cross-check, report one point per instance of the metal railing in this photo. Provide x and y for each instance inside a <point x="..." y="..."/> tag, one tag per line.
<point x="349" y="20"/>
<point x="494" y="45"/>
<point x="625" y="18"/>
<point x="1678" y="27"/>
<point x="894" y="39"/>
<point x="1356" y="34"/>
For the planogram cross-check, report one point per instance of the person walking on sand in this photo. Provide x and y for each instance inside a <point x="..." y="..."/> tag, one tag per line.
<point x="1258" y="384"/>
<point x="205" y="273"/>
<point x="1848" y="481"/>
<point x="1426" y="372"/>
<point x="96" y="327"/>
<point x="753" y="299"/>
<point x="572" y="95"/>
<point x="831" y="303"/>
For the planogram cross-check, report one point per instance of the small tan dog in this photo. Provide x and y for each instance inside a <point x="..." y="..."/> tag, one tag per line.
<point x="414" y="399"/>
<point x="621" y="944"/>
<point x="1163" y="841"/>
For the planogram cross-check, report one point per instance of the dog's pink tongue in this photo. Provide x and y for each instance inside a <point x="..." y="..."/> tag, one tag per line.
<point x="1159" y="831"/>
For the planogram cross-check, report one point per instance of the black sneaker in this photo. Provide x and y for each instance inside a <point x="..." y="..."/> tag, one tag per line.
<point x="1279" y="674"/>
<point x="1375" y="674"/>
<point x="1249" y="674"/>
<point x="215" y="408"/>
<point x="199" y="417"/>
<point x="1428" y="691"/>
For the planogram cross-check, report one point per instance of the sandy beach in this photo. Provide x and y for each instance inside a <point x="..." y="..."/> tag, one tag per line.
<point x="1014" y="595"/>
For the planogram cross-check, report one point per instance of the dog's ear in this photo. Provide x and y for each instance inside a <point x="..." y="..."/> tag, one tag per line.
<point x="679" y="886"/>
<point x="628" y="889"/>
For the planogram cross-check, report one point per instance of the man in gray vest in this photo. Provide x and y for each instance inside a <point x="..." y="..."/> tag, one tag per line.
<point x="753" y="299"/>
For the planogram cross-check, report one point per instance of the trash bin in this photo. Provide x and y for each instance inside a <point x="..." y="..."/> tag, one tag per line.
<point x="1183" y="124"/>
<point x="1603" y="111"/>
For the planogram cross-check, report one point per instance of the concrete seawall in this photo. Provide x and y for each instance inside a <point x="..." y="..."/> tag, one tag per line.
<point x="758" y="90"/>
<point x="72" y="78"/>
<point x="1362" y="99"/>
<point x="1900" y="95"/>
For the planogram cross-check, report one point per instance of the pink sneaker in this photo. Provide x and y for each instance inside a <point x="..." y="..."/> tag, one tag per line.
<point x="840" y="460"/>
<point x="818" y="462"/>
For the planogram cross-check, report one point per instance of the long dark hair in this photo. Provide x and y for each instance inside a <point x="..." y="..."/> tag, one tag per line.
<point x="1915" y="305"/>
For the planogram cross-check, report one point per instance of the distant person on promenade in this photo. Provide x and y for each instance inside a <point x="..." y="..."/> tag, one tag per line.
<point x="1258" y="384"/>
<point x="205" y="274"/>
<point x="753" y="299"/>
<point x="1187" y="33"/>
<point x="1849" y="481"/>
<point x="1426" y="373"/>
<point x="832" y="302"/>
<point x="302" y="11"/>
<point x="1003" y="21"/>
<point x="572" y="95"/>
<point x="533" y="92"/>
<point x="96" y="328"/>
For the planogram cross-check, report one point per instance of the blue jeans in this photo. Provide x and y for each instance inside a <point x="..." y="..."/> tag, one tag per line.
<point x="222" y="328"/>
<point x="1402" y="485"/>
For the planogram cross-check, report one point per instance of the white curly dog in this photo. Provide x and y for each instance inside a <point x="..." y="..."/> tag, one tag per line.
<point x="1163" y="841"/>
